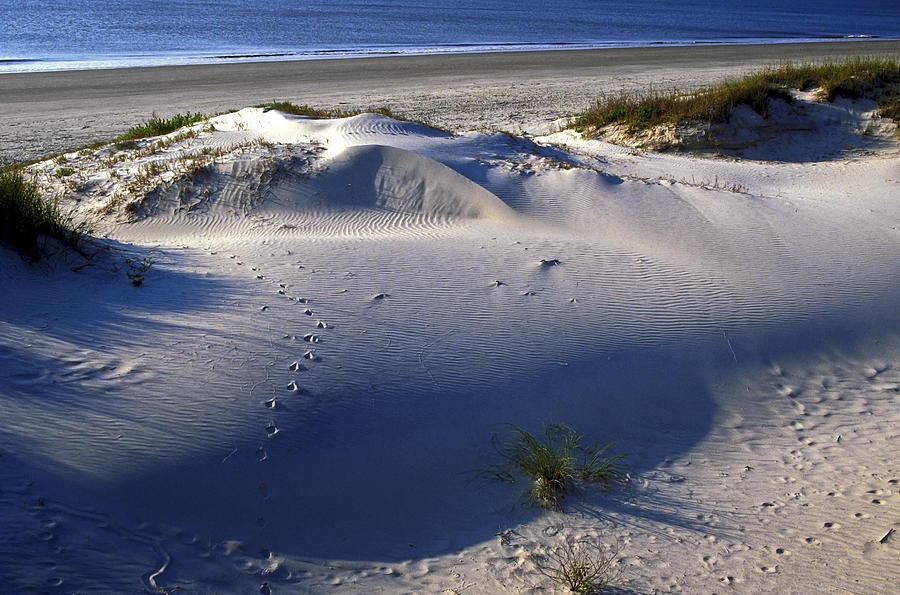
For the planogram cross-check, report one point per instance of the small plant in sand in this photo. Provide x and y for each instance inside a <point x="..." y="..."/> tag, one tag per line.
<point x="137" y="269"/>
<point x="557" y="461"/>
<point x="156" y="126"/>
<point x="583" y="566"/>
<point x="25" y="215"/>
<point x="63" y="172"/>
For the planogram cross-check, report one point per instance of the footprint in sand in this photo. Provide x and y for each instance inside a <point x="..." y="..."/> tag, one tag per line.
<point x="311" y="338"/>
<point x="272" y="429"/>
<point x="769" y="569"/>
<point x="873" y="371"/>
<point x="261" y="454"/>
<point x="302" y="300"/>
<point x="831" y="525"/>
<point x="270" y="403"/>
<point x="549" y="262"/>
<point x="292" y="386"/>
<point x="813" y="541"/>
<point x="380" y="296"/>
<point x="727" y="580"/>
<point x="308" y="312"/>
<point x="781" y="551"/>
<point x="787" y="391"/>
<point x="296" y="367"/>
<point x="264" y="491"/>
<point x="879" y="501"/>
<point x="862" y="515"/>
<point x="310" y="355"/>
<point x="322" y="324"/>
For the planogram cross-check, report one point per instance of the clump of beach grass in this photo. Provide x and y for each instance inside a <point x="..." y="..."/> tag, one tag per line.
<point x="156" y="126"/>
<point x="871" y="78"/>
<point x="26" y="215"/>
<point x="558" y="461"/>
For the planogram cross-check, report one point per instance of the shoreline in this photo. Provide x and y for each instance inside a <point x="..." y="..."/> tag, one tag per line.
<point x="265" y="56"/>
<point x="522" y="92"/>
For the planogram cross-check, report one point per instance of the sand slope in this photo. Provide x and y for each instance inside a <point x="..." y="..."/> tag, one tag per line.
<point x="340" y="315"/>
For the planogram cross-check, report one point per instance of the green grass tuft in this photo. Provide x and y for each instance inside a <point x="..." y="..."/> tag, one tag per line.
<point x="874" y="78"/>
<point x="156" y="126"/>
<point x="25" y="216"/>
<point x="557" y="461"/>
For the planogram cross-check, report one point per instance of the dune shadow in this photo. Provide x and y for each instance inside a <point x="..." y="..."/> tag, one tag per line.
<point x="412" y="477"/>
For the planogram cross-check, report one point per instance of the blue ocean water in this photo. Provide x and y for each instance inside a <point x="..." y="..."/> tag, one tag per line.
<point x="54" y="35"/>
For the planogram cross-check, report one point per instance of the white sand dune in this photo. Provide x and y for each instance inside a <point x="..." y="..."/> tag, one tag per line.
<point x="341" y="314"/>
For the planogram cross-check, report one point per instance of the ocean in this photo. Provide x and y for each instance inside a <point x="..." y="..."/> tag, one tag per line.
<point x="41" y="35"/>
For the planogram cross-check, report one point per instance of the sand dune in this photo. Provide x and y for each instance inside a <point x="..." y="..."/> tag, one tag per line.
<point x="340" y="314"/>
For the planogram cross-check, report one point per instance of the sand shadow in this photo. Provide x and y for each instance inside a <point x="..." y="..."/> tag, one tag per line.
<point x="411" y="477"/>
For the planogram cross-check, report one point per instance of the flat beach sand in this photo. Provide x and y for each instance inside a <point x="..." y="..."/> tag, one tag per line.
<point x="288" y="359"/>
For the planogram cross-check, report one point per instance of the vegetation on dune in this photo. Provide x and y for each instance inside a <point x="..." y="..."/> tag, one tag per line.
<point x="156" y="126"/>
<point x="557" y="462"/>
<point x="873" y="78"/>
<point x="314" y="112"/>
<point x="582" y="566"/>
<point x="25" y="216"/>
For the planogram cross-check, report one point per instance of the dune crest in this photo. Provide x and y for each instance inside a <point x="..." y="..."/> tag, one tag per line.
<point x="379" y="176"/>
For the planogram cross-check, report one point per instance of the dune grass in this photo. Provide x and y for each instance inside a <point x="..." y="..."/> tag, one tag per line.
<point x="314" y="112"/>
<point x="557" y="461"/>
<point x="156" y="126"/>
<point x="26" y="215"/>
<point x="873" y="78"/>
